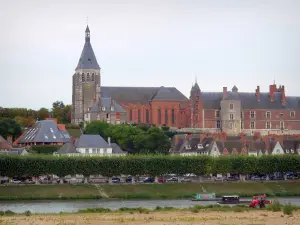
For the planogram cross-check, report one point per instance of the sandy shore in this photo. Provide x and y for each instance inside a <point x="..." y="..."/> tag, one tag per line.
<point x="155" y="218"/>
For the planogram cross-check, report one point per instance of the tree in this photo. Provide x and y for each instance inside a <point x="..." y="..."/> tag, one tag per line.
<point x="97" y="127"/>
<point x="10" y="127"/>
<point x="58" y="104"/>
<point x="25" y="122"/>
<point x="67" y="110"/>
<point x="43" y="113"/>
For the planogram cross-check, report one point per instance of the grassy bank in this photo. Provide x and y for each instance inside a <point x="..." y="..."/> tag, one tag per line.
<point x="145" y="191"/>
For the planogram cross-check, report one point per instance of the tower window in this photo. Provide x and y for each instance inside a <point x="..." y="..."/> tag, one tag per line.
<point x="252" y="125"/>
<point x="166" y="116"/>
<point x="159" y="116"/>
<point x="173" y="116"/>
<point x="93" y="76"/>
<point x="139" y="115"/>
<point x="252" y="114"/>
<point x="231" y="106"/>
<point x="217" y="113"/>
<point x="218" y="124"/>
<point x="268" y="115"/>
<point x="147" y="116"/>
<point x="88" y="77"/>
<point x="231" y="116"/>
<point x="83" y="77"/>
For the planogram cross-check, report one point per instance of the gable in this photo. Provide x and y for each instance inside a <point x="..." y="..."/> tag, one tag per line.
<point x="277" y="150"/>
<point x="214" y="150"/>
<point x="234" y="151"/>
<point x="244" y="151"/>
<point x="225" y="151"/>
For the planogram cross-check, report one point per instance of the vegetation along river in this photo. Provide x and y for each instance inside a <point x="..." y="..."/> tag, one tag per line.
<point x="75" y="205"/>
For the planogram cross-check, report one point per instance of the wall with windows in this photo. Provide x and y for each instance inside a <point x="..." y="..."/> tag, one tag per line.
<point x="99" y="151"/>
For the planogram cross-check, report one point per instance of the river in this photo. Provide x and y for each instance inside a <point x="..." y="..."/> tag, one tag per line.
<point x="75" y="205"/>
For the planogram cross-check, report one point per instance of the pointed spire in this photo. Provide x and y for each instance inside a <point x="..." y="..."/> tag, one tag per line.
<point x="87" y="34"/>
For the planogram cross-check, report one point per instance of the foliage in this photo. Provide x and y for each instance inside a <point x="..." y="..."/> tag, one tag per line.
<point x="25" y="122"/>
<point x="141" y="138"/>
<point x="275" y="206"/>
<point x="44" y="149"/>
<point x="72" y="126"/>
<point x="43" y="113"/>
<point x="61" y="112"/>
<point x="10" y="127"/>
<point x="288" y="209"/>
<point x="155" y="165"/>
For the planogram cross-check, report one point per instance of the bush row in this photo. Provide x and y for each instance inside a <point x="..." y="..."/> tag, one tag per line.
<point x="36" y="165"/>
<point x="44" y="149"/>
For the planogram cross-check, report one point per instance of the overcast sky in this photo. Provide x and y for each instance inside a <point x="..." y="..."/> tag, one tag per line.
<point x="147" y="43"/>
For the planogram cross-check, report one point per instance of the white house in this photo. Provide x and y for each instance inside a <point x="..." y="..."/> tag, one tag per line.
<point x="92" y="145"/>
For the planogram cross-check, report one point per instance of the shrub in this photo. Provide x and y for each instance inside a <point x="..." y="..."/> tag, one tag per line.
<point x="27" y="213"/>
<point x="288" y="209"/>
<point x="9" y="212"/>
<point x="275" y="207"/>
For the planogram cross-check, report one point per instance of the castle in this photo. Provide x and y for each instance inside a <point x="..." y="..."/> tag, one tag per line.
<point x="232" y="111"/>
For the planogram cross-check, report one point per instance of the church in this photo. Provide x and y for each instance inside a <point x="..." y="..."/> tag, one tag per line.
<point x="92" y="101"/>
<point x="232" y="112"/>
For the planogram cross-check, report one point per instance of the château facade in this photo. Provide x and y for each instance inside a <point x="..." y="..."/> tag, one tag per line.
<point x="232" y="111"/>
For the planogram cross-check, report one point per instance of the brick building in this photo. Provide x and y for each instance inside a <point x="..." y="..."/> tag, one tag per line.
<point x="234" y="112"/>
<point x="91" y="101"/>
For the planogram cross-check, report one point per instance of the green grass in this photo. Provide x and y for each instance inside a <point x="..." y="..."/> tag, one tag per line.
<point x="74" y="132"/>
<point x="146" y="191"/>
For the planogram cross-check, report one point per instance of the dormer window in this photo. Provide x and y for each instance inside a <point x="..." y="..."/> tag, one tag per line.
<point x="287" y="151"/>
<point x="206" y="145"/>
<point x="112" y="108"/>
<point x="188" y="147"/>
<point x="292" y="151"/>
<point x="103" y="108"/>
<point x="200" y="146"/>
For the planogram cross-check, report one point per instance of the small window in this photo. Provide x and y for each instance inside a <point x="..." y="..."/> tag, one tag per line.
<point x="104" y="151"/>
<point x="242" y="114"/>
<point x="83" y="77"/>
<point x="103" y="108"/>
<point x="217" y="113"/>
<point x="112" y="108"/>
<point x="93" y="76"/>
<point x="268" y="125"/>
<point x="231" y="106"/>
<point x="218" y="124"/>
<point x="268" y="115"/>
<point x="107" y="116"/>
<point x="292" y="114"/>
<point x="231" y="116"/>
<point x="242" y="125"/>
<point x="287" y="151"/>
<point x="252" y="125"/>
<point x="98" y="150"/>
<point x="86" y="151"/>
<point x="252" y="114"/>
<point x="200" y="146"/>
<point x="94" y="151"/>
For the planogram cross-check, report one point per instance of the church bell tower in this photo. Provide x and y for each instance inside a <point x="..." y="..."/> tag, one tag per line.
<point x="86" y="81"/>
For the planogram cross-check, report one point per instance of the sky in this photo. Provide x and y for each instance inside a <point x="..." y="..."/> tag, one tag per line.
<point x="147" y="43"/>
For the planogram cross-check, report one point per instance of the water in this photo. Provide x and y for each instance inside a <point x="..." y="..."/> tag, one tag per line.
<point x="74" y="206"/>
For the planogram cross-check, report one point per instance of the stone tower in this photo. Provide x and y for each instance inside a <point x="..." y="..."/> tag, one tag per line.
<point x="86" y="81"/>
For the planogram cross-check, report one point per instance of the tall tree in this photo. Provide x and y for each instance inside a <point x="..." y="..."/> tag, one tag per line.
<point x="10" y="127"/>
<point x="43" y="113"/>
<point x="59" y="104"/>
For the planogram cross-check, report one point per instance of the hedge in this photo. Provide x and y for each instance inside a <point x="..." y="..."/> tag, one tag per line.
<point x="36" y="165"/>
<point x="44" y="149"/>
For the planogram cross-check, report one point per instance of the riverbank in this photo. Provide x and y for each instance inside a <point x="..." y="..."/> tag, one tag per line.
<point x="155" y="218"/>
<point x="145" y="191"/>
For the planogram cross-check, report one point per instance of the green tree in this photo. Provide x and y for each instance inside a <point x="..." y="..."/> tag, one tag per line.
<point x="10" y="127"/>
<point x="43" y="113"/>
<point x="97" y="127"/>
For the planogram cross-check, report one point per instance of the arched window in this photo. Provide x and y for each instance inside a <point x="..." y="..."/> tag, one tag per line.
<point x="139" y="115"/>
<point x="147" y="116"/>
<point x="173" y="116"/>
<point x="93" y="76"/>
<point x="159" y="116"/>
<point x="166" y="117"/>
<point x="130" y="115"/>
<point x="88" y="77"/>
<point x="83" y="77"/>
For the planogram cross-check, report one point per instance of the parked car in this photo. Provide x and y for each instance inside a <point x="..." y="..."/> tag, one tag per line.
<point x="29" y="181"/>
<point x="185" y="180"/>
<point x="161" y="180"/>
<point x="149" y="180"/>
<point x="115" y="180"/>
<point x="128" y="180"/>
<point x="172" y="179"/>
<point x="255" y="178"/>
<point x="232" y="179"/>
<point x="218" y="179"/>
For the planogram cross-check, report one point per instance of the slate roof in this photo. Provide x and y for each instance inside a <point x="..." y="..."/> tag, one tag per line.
<point x="116" y="149"/>
<point x="107" y="103"/>
<point x="91" y="141"/>
<point x="67" y="148"/>
<point x="212" y="100"/>
<point x="87" y="58"/>
<point x="142" y="95"/>
<point x="45" y="131"/>
<point x="180" y="147"/>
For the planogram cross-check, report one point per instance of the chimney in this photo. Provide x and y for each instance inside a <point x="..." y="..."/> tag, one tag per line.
<point x="108" y="140"/>
<point x="224" y="92"/>
<point x="258" y="93"/>
<point x="283" y="97"/>
<point x="273" y="89"/>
